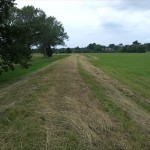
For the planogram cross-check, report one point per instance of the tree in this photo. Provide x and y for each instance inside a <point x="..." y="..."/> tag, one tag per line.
<point x="124" y="48"/>
<point x="53" y="34"/>
<point x="136" y="42"/>
<point x="77" y="48"/>
<point x="23" y="28"/>
<point x="32" y="22"/>
<point x="15" y="46"/>
<point x="5" y="6"/>
<point x="68" y="50"/>
<point x="112" y="46"/>
<point x="132" y="48"/>
<point x="98" y="48"/>
<point x="141" y="48"/>
<point x="120" y="47"/>
<point x="22" y="37"/>
<point x="44" y="32"/>
<point x="30" y="18"/>
<point x="147" y="45"/>
<point x="5" y="59"/>
<point x="91" y="46"/>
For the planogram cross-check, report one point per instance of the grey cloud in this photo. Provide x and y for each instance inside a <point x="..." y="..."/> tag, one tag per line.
<point x="114" y="27"/>
<point x="140" y="5"/>
<point x="111" y="25"/>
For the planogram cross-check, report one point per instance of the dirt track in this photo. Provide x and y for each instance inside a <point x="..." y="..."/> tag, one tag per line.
<point x="71" y="114"/>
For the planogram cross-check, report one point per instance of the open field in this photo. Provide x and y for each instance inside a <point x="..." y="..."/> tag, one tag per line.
<point x="78" y="103"/>
<point x="132" y="70"/>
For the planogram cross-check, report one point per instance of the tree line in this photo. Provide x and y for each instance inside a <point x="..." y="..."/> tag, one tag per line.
<point x="23" y="29"/>
<point x="135" y="47"/>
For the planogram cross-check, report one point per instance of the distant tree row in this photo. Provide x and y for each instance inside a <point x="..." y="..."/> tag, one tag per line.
<point x="135" y="47"/>
<point x="21" y="29"/>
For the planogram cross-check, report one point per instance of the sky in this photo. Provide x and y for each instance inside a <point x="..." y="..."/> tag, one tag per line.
<point x="99" y="21"/>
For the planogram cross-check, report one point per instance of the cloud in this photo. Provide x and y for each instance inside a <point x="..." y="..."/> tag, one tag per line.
<point x="135" y="5"/>
<point x="113" y="27"/>
<point x="99" y="21"/>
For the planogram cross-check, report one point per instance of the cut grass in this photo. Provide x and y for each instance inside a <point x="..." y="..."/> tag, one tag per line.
<point x="131" y="70"/>
<point x="20" y="127"/>
<point x="138" y="139"/>
<point x="37" y="62"/>
<point x="29" y="123"/>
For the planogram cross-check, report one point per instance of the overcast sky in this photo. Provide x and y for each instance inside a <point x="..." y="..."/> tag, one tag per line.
<point x="99" y="21"/>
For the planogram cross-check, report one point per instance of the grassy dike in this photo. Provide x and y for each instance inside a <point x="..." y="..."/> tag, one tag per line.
<point x="136" y="138"/>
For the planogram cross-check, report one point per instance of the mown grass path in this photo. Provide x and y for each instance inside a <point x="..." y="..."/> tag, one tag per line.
<point x="69" y="105"/>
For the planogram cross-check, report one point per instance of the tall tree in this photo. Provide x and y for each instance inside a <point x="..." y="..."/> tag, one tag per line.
<point x="53" y="35"/>
<point x="112" y="46"/>
<point x="5" y="6"/>
<point x="44" y="32"/>
<point x="136" y="42"/>
<point x="14" y="47"/>
<point x="91" y="46"/>
<point x="147" y="46"/>
<point x="5" y="62"/>
<point x="30" y="18"/>
<point x="98" y="48"/>
<point x="23" y="28"/>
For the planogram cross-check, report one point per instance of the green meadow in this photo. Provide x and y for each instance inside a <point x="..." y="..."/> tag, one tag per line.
<point x="130" y="69"/>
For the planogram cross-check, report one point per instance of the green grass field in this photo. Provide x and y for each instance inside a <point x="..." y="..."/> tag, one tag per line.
<point x="128" y="69"/>
<point x="77" y="103"/>
<point x="132" y="70"/>
<point x="38" y="61"/>
<point x="125" y="124"/>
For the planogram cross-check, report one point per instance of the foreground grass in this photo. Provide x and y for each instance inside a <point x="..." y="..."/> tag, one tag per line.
<point x="21" y="126"/>
<point x="130" y="69"/>
<point x="34" y="118"/>
<point x="137" y="138"/>
<point x="37" y="62"/>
